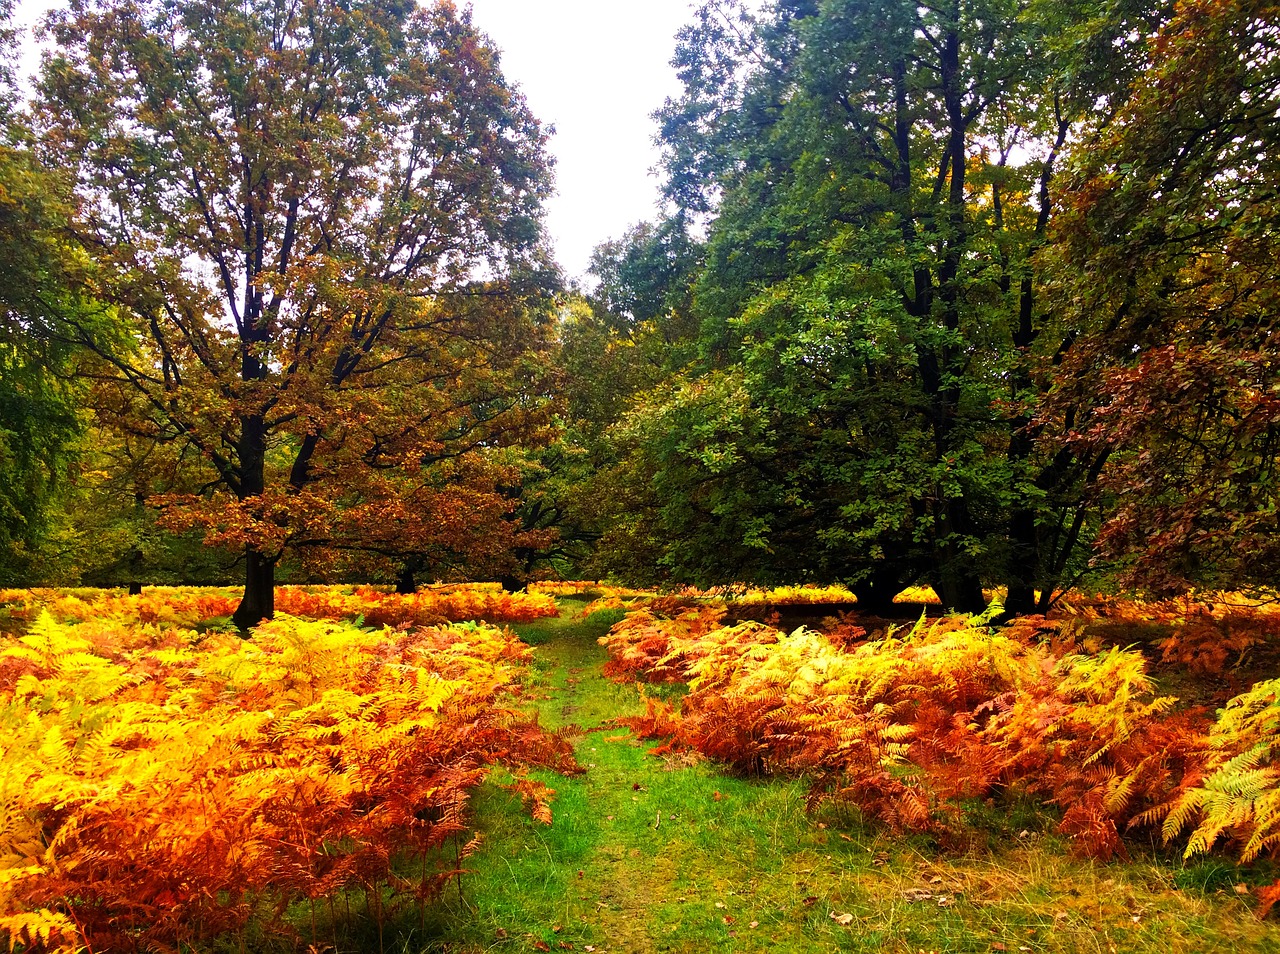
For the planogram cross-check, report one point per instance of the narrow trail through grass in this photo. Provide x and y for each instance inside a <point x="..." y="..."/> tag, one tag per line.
<point x="671" y="854"/>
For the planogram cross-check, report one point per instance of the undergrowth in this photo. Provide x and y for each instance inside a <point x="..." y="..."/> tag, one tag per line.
<point x="910" y="726"/>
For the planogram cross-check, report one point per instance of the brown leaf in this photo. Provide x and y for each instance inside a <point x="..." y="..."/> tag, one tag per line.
<point x="842" y="919"/>
<point x="542" y="945"/>
<point x="728" y="919"/>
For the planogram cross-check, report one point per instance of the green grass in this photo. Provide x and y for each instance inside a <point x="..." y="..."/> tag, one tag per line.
<point x="671" y="854"/>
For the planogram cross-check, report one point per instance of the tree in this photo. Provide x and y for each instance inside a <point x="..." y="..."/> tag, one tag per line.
<point x="40" y="423"/>
<point x="39" y="420"/>
<point x="293" y="204"/>
<point x="631" y="333"/>
<point x="877" y="178"/>
<point x="1166" y="257"/>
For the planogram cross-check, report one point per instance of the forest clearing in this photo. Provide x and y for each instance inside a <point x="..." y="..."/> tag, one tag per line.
<point x="917" y="449"/>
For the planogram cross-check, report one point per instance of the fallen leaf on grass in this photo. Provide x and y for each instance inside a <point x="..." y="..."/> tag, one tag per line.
<point x="719" y="904"/>
<point x="841" y="919"/>
<point x="728" y="919"/>
<point x="541" y="945"/>
<point x="716" y="796"/>
<point x="809" y="901"/>
<point x="754" y="924"/>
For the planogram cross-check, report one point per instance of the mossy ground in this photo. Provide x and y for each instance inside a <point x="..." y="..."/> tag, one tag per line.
<point x="670" y="854"/>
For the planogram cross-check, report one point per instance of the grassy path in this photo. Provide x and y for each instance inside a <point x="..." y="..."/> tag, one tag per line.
<point x="652" y="854"/>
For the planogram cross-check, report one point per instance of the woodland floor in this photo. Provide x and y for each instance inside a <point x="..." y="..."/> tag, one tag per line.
<point x="671" y="854"/>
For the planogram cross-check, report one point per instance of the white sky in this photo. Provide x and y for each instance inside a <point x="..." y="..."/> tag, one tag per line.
<point x="596" y="70"/>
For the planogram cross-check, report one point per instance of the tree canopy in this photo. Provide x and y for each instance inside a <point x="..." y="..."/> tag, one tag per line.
<point x="972" y="294"/>
<point x="322" y="222"/>
<point x="893" y="368"/>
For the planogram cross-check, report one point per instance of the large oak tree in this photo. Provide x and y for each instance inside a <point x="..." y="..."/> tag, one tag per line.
<point x="296" y="205"/>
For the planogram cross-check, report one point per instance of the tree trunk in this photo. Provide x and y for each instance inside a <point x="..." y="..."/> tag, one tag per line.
<point x="135" y="589"/>
<point x="1023" y="564"/>
<point x="259" y="600"/>
<point x="876" y="591"/>
<point x="960" y="589"/>
<point x="406" y="584"/>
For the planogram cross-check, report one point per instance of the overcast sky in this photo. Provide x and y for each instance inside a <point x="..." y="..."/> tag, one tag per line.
<point x="595" y="69"/>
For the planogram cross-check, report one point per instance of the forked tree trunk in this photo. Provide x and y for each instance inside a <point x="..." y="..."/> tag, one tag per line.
<point x="259" y="600"/>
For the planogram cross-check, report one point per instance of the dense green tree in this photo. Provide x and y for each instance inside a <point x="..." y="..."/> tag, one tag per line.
<point x="877" y="178"/>
<point x="619" y="342"/>
<point x="291" y="204"/>
<point x="39" y="419"/>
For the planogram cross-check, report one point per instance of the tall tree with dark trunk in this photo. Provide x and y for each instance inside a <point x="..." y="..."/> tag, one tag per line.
<point x="877" y="178"/>
<point x="285" y="198"/>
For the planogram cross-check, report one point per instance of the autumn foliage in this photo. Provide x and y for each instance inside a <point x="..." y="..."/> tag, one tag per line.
<point x="187" y="606"/>
<point x="911" y="726"/>
<point x="162" y="787"/>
